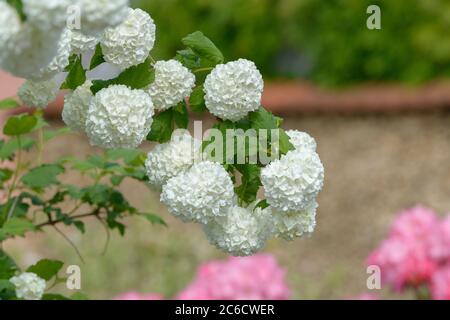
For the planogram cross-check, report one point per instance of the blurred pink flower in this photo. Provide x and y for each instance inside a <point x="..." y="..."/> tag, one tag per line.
<point x="258" y="277"/>
<point x="414" y="223"/>
<point x="439" y="242"/>
<point x="440" y="284"/>
<point x="366" y="296"/>
<point x="139" y="296"/>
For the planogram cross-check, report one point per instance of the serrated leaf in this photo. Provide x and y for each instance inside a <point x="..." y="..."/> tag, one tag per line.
<point x="18" y="125"/>
<point x="153" y="218"/>
<point x="203" y="46"/>
<point x="181" y="116"/>
<point x="46" y="269"/>
<point x="250" y="184"/>
<point x="15" y="227"/>
<point x="8" y="104"/>
<point x="97" y="58"/>
<point x="8" y="149"/>
<point x="7" y="266"/>
<point x="162" y="127"/>
<point x="197" y="100"/>
<point x="42" y="176"/>
<point x="76" y="76"/>
<point x="263" y="119"/>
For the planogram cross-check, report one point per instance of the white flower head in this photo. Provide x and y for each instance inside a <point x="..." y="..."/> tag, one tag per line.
<point x="301" y="140"/>
<point x="97" y="15"/>
<point x="169" y="159"/>
<point x="9" y="23"/>
<point x="46" y="15"/>
<point x="173" y="82"/>
<point x="38" y="94"/>
<point x="293" y="182"/>
<point x="76" y="106"/>
<point x="242" y="232"/>
<point x="130" y="43"/>
<point x="81" y="43"/>
<point x="28" y="286"/>
<point x="289" y="225"/>
<point x="202" y="193"/>
<point x="233" y="90"/>
<point x="119" y="117"/>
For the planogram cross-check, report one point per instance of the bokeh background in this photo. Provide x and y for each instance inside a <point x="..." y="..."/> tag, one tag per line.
<point x="375" y="100"/>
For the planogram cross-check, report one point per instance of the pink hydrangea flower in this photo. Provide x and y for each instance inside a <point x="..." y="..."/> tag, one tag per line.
<point x="366" y="296"/>
<point x="440" y="284"/>
<point x="415" y="223"/>
<point x="439" y="242"/>
<point x="258" y="277"/>
<point x="138" y="296"/>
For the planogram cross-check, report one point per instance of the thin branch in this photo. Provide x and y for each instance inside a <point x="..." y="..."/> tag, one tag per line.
<point x="108" y="235"/>
<point x="80" y="216"/>
<point x="70" y="242"/>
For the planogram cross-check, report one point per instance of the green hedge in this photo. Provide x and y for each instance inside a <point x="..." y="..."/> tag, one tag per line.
<point x="326" y="41"/>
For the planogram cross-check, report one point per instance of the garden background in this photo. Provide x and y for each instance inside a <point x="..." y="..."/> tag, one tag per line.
<point x="375" y="100"/>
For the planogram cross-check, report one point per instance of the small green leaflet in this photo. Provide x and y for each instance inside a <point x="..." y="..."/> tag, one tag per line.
<point x="20" y="124"/>
<point x="203" y="46"/>
<point x="162" y="127"/>
<point x="97" y="58"/>
<point x="7" y="266"/>
<point x="15" y="227"/>
<point x="46" y="269"/>
<point x="250" y="184"/>
<point x="8" y="104"/>
<point x="18" y="5"/>
<point x="180" y="115"/>
<point x="42" y="176"/>
<point x="153" y="218"/>
<point x="197" y="100"/>
<point x="76" y="76"/>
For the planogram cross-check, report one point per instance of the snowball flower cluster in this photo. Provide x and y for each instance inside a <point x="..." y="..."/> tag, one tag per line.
<point x="76" y="105"/>
<point x="9" y="24"/>
<point x="81" y="43"/>
<point x="38" y="94"/>
<point x="97" y="15"/>
<point x="252" y="278"/>
<point x="46" y="15"/>
<point x="416" y="252"/>
<point x="233" y="90"/>
<point x="119" y="117"/>
<point x="293" y="182"/>
<point x="129" y="43"/>
<point x="173" y="82"/>
<point x="169" y="159"/>
<point x="241" y="232"/>
<point x="301" y="140"/>
<point x="290" y="225"/>
<point x="202" y="193"/>
<point x="28" y="286"/>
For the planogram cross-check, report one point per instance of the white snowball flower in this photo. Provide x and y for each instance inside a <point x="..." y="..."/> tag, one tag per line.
<point x="234" y="89"/>
<point x="173" y="82"/>
<point x="38" y="94"/>
<point x="301" y="140"/>
<point x="76" y="105"/>
<point x="289" y="225"/>
<point x="130" y="43"/>
<point x="200" y="194"/>
<point x="169" y="159"/>
<point x="293" y="182"/>
<point x="46" y="14"/>
<point x="119" y="117"/>
<point x="28" y="286"/>
<point x="97" y="15"/>
<point x="82" y="43"/>
<point x="9" y="23"/>
<point x="242" y="232"/>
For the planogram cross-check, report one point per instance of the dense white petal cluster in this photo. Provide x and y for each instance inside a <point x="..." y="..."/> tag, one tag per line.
<point x="119" y="117"/>
<point x="130" y="43"/>
<point x="234" y="89"/>
<point x="242" y="232"/>
<point x="38" y="94"/>
<point x="289" y="225"/>
<point x="28" y="286"/>
<point x="9" y="23"/>
<point x="169" y="159"/>
<point x="301" y="140"/>
<point x="202" y="193"/>
<point x="46" y="14"/>
<point x="97" y="15"/>
<point x="82" y="43"/>
<point x="293" y="182"/>
<point x="173" y="82"/>
<point x="76" y="105"/>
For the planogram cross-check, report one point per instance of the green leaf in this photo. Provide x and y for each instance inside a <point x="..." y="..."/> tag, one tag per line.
<point x="15" y="227"/>
<point x="203" y="46"/>
<point x="154" y="219"/>
<point x="250" y="184"/>
<point x="54" y="296"/>
<point x="8" y="104"/>
<point x="18" y="5"/>
<point x="263" y="119"/>
<point x="8" y="149"/>
<point x="162" y="127"/>
<point x="197" y="100"/>
<point x="43" y="176"/>
<point x="46" y="269"/>
<point x="97" y="58"/>
<point x="21" y="124"/>
<point x="262" y="204"/>
<point x="181" y="116"/>
<point x="188" y="58"/>
<point x="51" y="134"/>
<point x="79" y="296"/>
<point x="285" y="143"/>
<point x="7" y="266"/>
<point x="6" y="285"/>
<point x="136" y="77"/>
<point x="76" y="76"/>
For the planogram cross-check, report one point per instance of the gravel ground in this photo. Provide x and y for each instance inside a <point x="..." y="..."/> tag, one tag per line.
<point x="375" y="166"/>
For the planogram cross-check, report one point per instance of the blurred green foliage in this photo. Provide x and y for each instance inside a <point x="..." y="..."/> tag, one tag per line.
<point x="326" y="41"/>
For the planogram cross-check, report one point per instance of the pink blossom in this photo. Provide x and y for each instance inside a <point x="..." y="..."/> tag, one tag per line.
<point x="366" y="296"/>
<point x="138" y="296"/>
<point x="439" y="242"/>
<point x="416" y="223"/>
<point x="258" y="277"/>
<point x="440" y="284"/>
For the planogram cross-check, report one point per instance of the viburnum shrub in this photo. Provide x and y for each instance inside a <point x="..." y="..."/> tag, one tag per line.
<point x="213" y="181"/>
